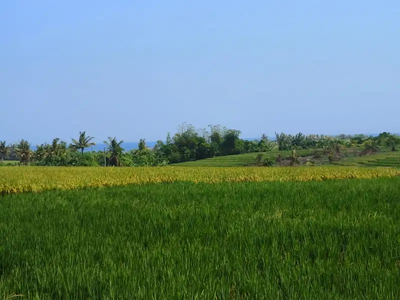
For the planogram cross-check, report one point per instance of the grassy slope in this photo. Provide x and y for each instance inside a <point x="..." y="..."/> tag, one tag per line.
<point x="313" y="240"/>
<point x="382" y="159"/>
<point x="239" y="160"/>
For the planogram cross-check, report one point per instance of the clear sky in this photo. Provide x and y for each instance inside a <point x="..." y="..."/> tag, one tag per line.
<point x="137" y="69"/>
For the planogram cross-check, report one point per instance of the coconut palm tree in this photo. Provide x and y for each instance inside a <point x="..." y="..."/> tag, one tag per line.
<point x="284" y="141"/>
<point x="55" y="153"/>
<point x="83" y="142"/>
<point x="115" y="149"/>
<point x="40" y="154"/>
<point x="56" y="149"/>
<point x="23" y="152"/>
<point x="4" y="150"/>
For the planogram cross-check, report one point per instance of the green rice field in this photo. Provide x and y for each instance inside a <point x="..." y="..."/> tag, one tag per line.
<point x="252" y="240"/>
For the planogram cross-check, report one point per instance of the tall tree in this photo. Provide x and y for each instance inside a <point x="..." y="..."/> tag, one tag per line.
<point x="392" y="141"/>
<point x="53" y="149"/>
<point x="23" y="152"/>
<point x="186" y="141"/>
<point x="231" y="142"/>
<point x="142" y="145"/>
<point x="216" y="138"/>
<point x="284" y="141"/>
<point x="4" y="150"/>
<point x="168" y="140"/>
<point x="83" y="142"/>
<point x="115" y="149"/>
<point x="265" y="144"/>
<point x="40" y="154"/>
<point x="55" y="153"/>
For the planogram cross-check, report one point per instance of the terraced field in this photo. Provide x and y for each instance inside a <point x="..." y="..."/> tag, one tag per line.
<point x="240" y="160"/>
<point x="383" y="162"/>
<point x="382" y="159"/>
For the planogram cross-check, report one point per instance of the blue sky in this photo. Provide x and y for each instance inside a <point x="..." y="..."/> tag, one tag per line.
<point x="138" y="69"/>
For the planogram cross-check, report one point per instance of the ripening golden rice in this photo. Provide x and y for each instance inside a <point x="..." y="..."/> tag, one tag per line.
<point x="36" y="179"/>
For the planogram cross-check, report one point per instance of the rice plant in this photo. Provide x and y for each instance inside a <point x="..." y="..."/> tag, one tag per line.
<point x="337" y="239"/>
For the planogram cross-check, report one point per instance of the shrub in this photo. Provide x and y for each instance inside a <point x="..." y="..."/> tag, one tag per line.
<point x="268" y="162"/>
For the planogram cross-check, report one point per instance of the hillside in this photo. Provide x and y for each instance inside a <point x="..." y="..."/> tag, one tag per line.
<point x="239" y="160"/>
<point x="381" y="159"/>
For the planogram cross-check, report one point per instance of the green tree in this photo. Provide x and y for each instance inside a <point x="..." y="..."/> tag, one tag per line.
<point x="23" y="152"/>
<point x="265" y="144"/>
<point x="40" y="155"/>
<point x="389" y="140"/>
<point x="299" y="141"/>
<point x="204" y="149"/>
<point x="284" y="141"/>
<point x="83" y="142"/>
<point x="392" y="142"/>
<point x="142" y="144"/>
<point x="168" y="140"/>
<point x="371" y="146"/>
<point x="56" y="153"/>
<point x="144" y="156"/>
<point x="259" y="159"/>
<point x="4" y="150"/>
<point x="216" y="135"/>
<point x="231" y="143"/>
<point x="359" y="139"/>
<point x="115" y="150"/>
<point x="187" y="141"/>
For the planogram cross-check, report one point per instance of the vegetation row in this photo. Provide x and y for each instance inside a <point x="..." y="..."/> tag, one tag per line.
<point x="189" y="144"/>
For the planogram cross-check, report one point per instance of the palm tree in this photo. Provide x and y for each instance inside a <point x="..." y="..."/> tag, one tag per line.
<point x="53" y="149"/>
<point x="40" y="154"/>
<point x="115" y="149"/>
<point x="142" y="145"/>
<point x="83" y="142"/>
<point x="4" y="150"/>
<point x="56" y="149"/>
<point x="55" y="152"/>
<point x="284" y="141"/>
<point x="23" y="151"/>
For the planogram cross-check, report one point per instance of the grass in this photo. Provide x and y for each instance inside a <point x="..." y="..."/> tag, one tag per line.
<point x="383" y="159"/>
<point x="276" y="240"/>
<point x="9" y="162"/>
<point x="240" y="160"/>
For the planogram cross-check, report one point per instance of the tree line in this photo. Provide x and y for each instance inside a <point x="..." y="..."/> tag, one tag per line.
<point x="188" y="144"/>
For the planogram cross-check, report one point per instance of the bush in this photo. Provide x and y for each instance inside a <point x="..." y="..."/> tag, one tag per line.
<point x="268" y="162"/>
<point x="310" y="162"/>
<point x="259" y="159"/>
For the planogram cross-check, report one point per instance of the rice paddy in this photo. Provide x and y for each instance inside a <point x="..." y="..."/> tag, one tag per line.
<point x="200" y="235"/>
